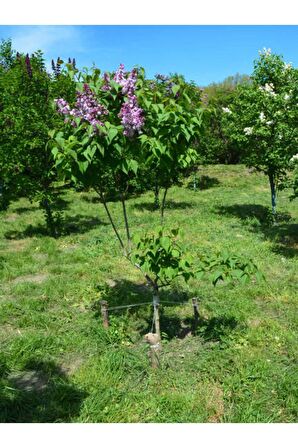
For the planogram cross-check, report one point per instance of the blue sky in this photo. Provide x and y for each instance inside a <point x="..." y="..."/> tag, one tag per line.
<point x="202" y="53"/>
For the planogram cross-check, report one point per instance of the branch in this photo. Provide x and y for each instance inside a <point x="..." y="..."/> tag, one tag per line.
<point x="126" y="222"/>
<point x="101" y="195"/>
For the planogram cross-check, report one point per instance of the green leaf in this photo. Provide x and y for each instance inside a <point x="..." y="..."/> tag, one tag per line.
<point x="175" y="89"/>
<point x="175" y="231"/>
<point x="55" y="152"/>
<point x="218" y="275"/>
<point x="83" y="166"/>
<point x="134" y="165"/>
<point x="112" y="132"/>
<point x="165" y="242"/>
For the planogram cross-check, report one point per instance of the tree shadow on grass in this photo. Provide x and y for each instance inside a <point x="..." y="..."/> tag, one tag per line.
<point x="170" y="205"/>
<point x="41" y="393"/>
<point x="214" y="329"/>
<point x="124" y="293"/>
<point x="203" y="183"/>
<point x="76" y="224"/>
<point x="257" y="218"/>
<point x="59" y="204"/>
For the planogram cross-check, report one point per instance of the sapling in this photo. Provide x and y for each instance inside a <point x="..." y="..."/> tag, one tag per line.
<point x="160" y="258"/>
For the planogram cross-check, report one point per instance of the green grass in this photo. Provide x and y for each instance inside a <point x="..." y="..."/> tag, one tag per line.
<point x="240" y="366"/>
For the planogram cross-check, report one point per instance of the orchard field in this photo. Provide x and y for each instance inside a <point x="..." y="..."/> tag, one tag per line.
<point x="58" y="363"/>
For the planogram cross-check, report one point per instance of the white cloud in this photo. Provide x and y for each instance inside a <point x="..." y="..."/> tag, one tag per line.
<point x="50" y="39"/>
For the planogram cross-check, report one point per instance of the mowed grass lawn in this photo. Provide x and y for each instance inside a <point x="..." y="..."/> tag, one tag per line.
<point x="58" y="364"/>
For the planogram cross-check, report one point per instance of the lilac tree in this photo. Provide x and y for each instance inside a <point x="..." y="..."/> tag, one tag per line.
<point x="101" y="136"/>
<point x="263" y="119"/>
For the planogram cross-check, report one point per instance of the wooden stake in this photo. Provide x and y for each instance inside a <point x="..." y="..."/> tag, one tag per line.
<point x="104" y="313"/>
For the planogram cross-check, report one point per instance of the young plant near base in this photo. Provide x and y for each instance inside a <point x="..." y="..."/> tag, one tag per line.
<point x="161" y="260"/>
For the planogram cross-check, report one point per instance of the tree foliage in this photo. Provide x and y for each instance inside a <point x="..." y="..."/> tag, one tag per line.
<point x="263" y="118"/>
<point x="27" y="114"/>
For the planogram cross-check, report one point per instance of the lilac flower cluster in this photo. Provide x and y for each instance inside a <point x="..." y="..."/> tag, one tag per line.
<point x="87" y="108"/>
<point x="120" y="75"/>
<point x="63" y="106"/>
<point x="28" y="65"/>
<point x="131" y="114"/>
<point x="169" y="88"/>
<point x="106" y="86"/>
<point x="72" y="62"/>
<point x="56" y="67"/>
<point x="166" y="81"/>
<point x="161" y="77"/>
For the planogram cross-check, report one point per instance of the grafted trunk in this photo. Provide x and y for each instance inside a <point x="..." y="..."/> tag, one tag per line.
<point x="273" y="194"/>
<point x="50" y="220"/>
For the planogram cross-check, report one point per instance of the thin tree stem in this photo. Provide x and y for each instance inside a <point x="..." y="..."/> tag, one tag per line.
<point x="101" y="195"/>
<point x="156" y="195"/>
<point x="163" y="204"/>
<point x="273" y="195"/>
<point x="126" y="223"/>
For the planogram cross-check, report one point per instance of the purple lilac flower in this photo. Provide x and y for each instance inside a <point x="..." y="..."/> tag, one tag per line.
<point x="56" y="67"/>
<point x="86" y="108"/>
<point x="120" y="75"/>
<point x="161" y="77"/>
<point x="129" y="85"/>
<point x="28" y="65"/>
<point x="131" y="116"/>
<point x="106" y="86"/>
<point x="62" y="106"/>
<point x="169" y="87"/>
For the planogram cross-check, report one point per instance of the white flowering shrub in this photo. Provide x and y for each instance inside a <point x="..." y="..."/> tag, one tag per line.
<point x="263" y="119"/>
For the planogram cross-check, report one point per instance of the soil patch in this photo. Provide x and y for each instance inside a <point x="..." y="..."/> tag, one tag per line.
<point x="35" y="278"/>
<point x="215" y="403"/>
<point x="29" y="381"/>
<point x="17" y="245"/>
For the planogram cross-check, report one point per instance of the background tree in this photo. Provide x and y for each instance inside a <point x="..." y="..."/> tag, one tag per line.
<point x="171" y="131"/>
<point x="263" y="119"/>
<point x="216" y="146"/>
<point x="27" y="115"/>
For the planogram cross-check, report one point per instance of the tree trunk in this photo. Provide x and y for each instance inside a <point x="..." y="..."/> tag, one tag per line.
<point x="51" y="225"/>
<point x="163" y="204"/>
<point x="273" y="194"/>
<point x="156" y="196"/>
<point x="126" y="225"/>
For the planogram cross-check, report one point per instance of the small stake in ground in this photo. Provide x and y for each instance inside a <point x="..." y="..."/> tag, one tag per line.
<point x="104" y="313"/>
